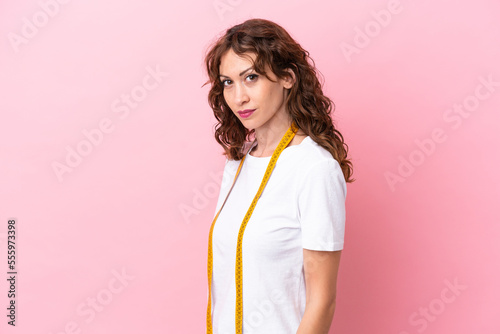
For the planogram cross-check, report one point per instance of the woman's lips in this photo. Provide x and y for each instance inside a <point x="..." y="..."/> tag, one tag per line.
<point x="246" y="113"/>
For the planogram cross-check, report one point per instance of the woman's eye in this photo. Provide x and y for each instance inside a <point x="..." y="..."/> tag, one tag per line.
<point x="253" y="75"/>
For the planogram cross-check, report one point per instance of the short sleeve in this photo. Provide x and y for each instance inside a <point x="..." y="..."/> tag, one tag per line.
<point x="321" y="196"/>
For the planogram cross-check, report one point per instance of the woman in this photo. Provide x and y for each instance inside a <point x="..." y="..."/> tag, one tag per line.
<point x="283" y="189"/>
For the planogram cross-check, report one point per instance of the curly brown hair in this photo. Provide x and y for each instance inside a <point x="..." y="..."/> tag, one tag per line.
<point x="308" y="107"/>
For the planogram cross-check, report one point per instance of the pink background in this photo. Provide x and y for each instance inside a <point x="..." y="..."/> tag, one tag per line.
<point x="142" y="197"/>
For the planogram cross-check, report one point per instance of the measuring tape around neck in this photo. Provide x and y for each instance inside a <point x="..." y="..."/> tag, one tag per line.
<point x="239" y="266"/>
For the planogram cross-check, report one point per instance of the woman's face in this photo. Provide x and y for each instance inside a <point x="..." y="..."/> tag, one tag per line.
<point x="245" y="89"/>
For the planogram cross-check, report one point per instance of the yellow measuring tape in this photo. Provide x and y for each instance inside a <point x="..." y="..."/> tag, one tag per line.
<point x="239" y="267"/>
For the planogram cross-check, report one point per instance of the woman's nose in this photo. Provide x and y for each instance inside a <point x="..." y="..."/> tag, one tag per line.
<point x="241" y="95"/>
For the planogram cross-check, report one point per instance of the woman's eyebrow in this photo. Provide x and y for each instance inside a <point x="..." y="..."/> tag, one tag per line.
<point x="225" y="76"/>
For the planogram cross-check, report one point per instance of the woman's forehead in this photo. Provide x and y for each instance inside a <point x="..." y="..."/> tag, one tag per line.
<point x="232" y="57"/>
<point x="232" y="63"/>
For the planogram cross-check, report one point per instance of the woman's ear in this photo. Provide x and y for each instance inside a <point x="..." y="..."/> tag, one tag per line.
<point x="287" y="81"/>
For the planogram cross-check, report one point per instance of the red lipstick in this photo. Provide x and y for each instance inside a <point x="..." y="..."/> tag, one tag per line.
<point x="246" y="113"/>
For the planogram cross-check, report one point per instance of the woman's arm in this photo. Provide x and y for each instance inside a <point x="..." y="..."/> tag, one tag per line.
<point x="320" y="269"/>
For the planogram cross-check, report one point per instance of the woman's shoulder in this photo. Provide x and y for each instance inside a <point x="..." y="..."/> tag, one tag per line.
<point x="313" y="154"/>
<point x="318" y="166"/>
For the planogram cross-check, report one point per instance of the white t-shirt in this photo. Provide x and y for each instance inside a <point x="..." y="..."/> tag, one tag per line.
<point x="301" y="206"/>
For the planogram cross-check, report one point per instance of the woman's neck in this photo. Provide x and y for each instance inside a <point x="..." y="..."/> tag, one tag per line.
<point x="269" y="139"/>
